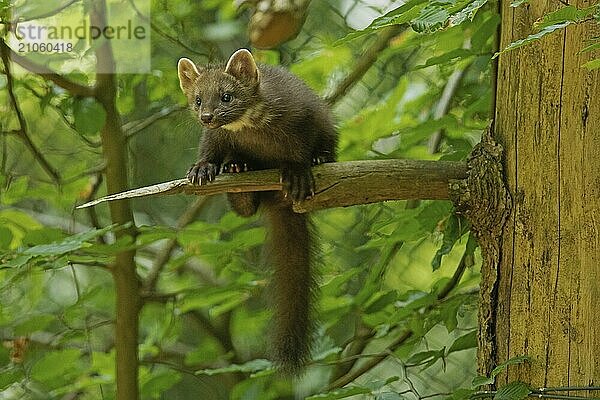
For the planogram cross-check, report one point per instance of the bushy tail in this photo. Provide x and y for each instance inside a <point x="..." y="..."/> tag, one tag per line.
<point x="289" y="254"/>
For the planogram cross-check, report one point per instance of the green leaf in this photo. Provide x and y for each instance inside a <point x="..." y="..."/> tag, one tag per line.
<point x="467" y="341"/>
<point x="448" y="310"/>
<point x="389" y="396"/>
<point x="251" y="366"/>
<point x="55" y="364"/>
<point x="462" y="394"/>
<point x="401" y="15"/>
<point x="6" y="238"/>
<point x="531" y="38"/>
<point x="431" y="18"/>
<point x="451" y="235"/>
<point x="158" y="383"/>
<point x="17" y="262"/>
<point x="150" y="234"/>
<point x="54" y="248"/>
<point x="340" y="393"/>
<point x="484" y="33"/>
<point x="432" y="213"/>
<point x="421" y="357"/>
<point x="43" y="236"/>
<point x="513" y="361"/>
<point x="227" y="305"/>
<point x="15" y="190"/>
<point x="593" y="64"/>
<point x="71" y="243"/>
<point x="380" y="300"/>
<point x="334" y="285"/>
<point x="513" y="391"/>
<point x="9" y="377"/>
<point x="565" y="14"/>
<point x="452" y="55"/>
<point x="483" y="380"/>
<point x="211" y="297"/>
<point x="34" y="323"/>
<point x="467" y="13"/>
<point x="591" y="47"/>
<point x="249" y="238"/>
<point x="89" y="115"/>
<point x="378" y="384"/>
<point x="326" y="353"/>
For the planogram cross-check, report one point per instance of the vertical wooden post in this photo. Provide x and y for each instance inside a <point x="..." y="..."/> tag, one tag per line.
<point x="548" y="283"/>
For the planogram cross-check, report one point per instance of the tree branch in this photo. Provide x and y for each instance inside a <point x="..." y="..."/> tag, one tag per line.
<point x="365" y="62"/>
<point x="22" y="131"/>
<point x="363" y="334"/>
<point x="465" y="261"/>
<point x="336" y="184"/>
<point x="49" y="13"/>
<point x="172" y="38"/>
<point x="133" y="127"/>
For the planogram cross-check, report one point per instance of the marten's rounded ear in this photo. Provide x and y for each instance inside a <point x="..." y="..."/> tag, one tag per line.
<point x="188" y="73"/>
<point x="241" y="65"/>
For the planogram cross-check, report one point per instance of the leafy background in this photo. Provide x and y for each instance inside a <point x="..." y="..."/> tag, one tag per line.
<point x="398" y="280"/>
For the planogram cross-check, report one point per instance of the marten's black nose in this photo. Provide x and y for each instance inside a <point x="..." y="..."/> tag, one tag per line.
<point x="206" y="117"/>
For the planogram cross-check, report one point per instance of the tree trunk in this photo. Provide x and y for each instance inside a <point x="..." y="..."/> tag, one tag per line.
<point x="547" y="293"/>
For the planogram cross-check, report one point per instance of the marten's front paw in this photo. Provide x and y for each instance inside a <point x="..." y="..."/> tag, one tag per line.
<point x="298" y="182"/>
<point x="202" y="172"/>
<point x="231" y="167"/>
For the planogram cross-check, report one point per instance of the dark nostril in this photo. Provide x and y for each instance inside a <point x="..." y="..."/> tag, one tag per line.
<point x="206" y="117"/>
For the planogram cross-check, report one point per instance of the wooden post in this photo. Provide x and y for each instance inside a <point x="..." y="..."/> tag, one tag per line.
<point x="546" y="293"/>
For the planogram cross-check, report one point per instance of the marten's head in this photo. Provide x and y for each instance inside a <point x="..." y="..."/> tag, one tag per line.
<point x="222" y="96"/>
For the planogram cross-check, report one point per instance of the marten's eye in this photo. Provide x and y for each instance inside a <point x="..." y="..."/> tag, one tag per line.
<point x="226" y="98"/>
<point x="198" y="101"/>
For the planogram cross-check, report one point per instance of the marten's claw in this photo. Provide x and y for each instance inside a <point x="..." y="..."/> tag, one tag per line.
<point x="298" y="182"/>
<point x="319" y="160"/>
<point x="202" y="172"/>
<point x="232" y="167"/>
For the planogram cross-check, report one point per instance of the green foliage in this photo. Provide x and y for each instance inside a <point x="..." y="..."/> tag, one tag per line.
<point x="513" y="391"/>
<point x="487" y="380"/>
<point x="88" y="115"/>
<point x="558" y="20"/>
<point x="205" y="325"/>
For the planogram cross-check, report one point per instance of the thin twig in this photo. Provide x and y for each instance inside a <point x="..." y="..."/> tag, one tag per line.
<point x="569" y="389"/>
<point x="165" y="35"/>
<point x="361" y="340"/>
<point x="22" y="132"/>
<point x="133" y="127"/>
<point x="364" y="62"/>
<point x="63" y="115"/>
<point x="49" y="13"/>
<point x="92" y="214"/>
<point x="163" y="256"/>
<point x="223" y="336"/>
<point x="465" y="261"/>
